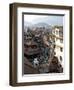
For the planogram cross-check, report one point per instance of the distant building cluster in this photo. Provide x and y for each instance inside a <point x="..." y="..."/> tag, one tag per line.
<point x="43" y="47"/>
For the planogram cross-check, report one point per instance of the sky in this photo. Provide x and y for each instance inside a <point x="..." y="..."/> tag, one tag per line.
<point x="51" y="20"/>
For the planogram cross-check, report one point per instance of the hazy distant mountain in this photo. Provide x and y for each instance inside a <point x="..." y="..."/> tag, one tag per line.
<point x="47" y="28"/>
<point x="41" y="24"/>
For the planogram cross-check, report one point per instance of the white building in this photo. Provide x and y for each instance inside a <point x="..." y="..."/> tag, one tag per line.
<point x="58" y="43"/>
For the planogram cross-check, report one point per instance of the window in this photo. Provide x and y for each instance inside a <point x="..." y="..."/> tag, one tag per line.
<point x="54" y="46"/>
<point x="53" y="31"/>
<point x="56" y="32"/>
<point x="61" y="40"/>
<point x="54" y="53"/>
<point x="61" y="33"/>
<point x="60" y="58"/>
<point x="56" y="39"/>
<point x="61" y="49"/>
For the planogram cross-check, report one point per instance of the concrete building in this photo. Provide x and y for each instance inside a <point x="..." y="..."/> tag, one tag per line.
<point x="58" y="43"/>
